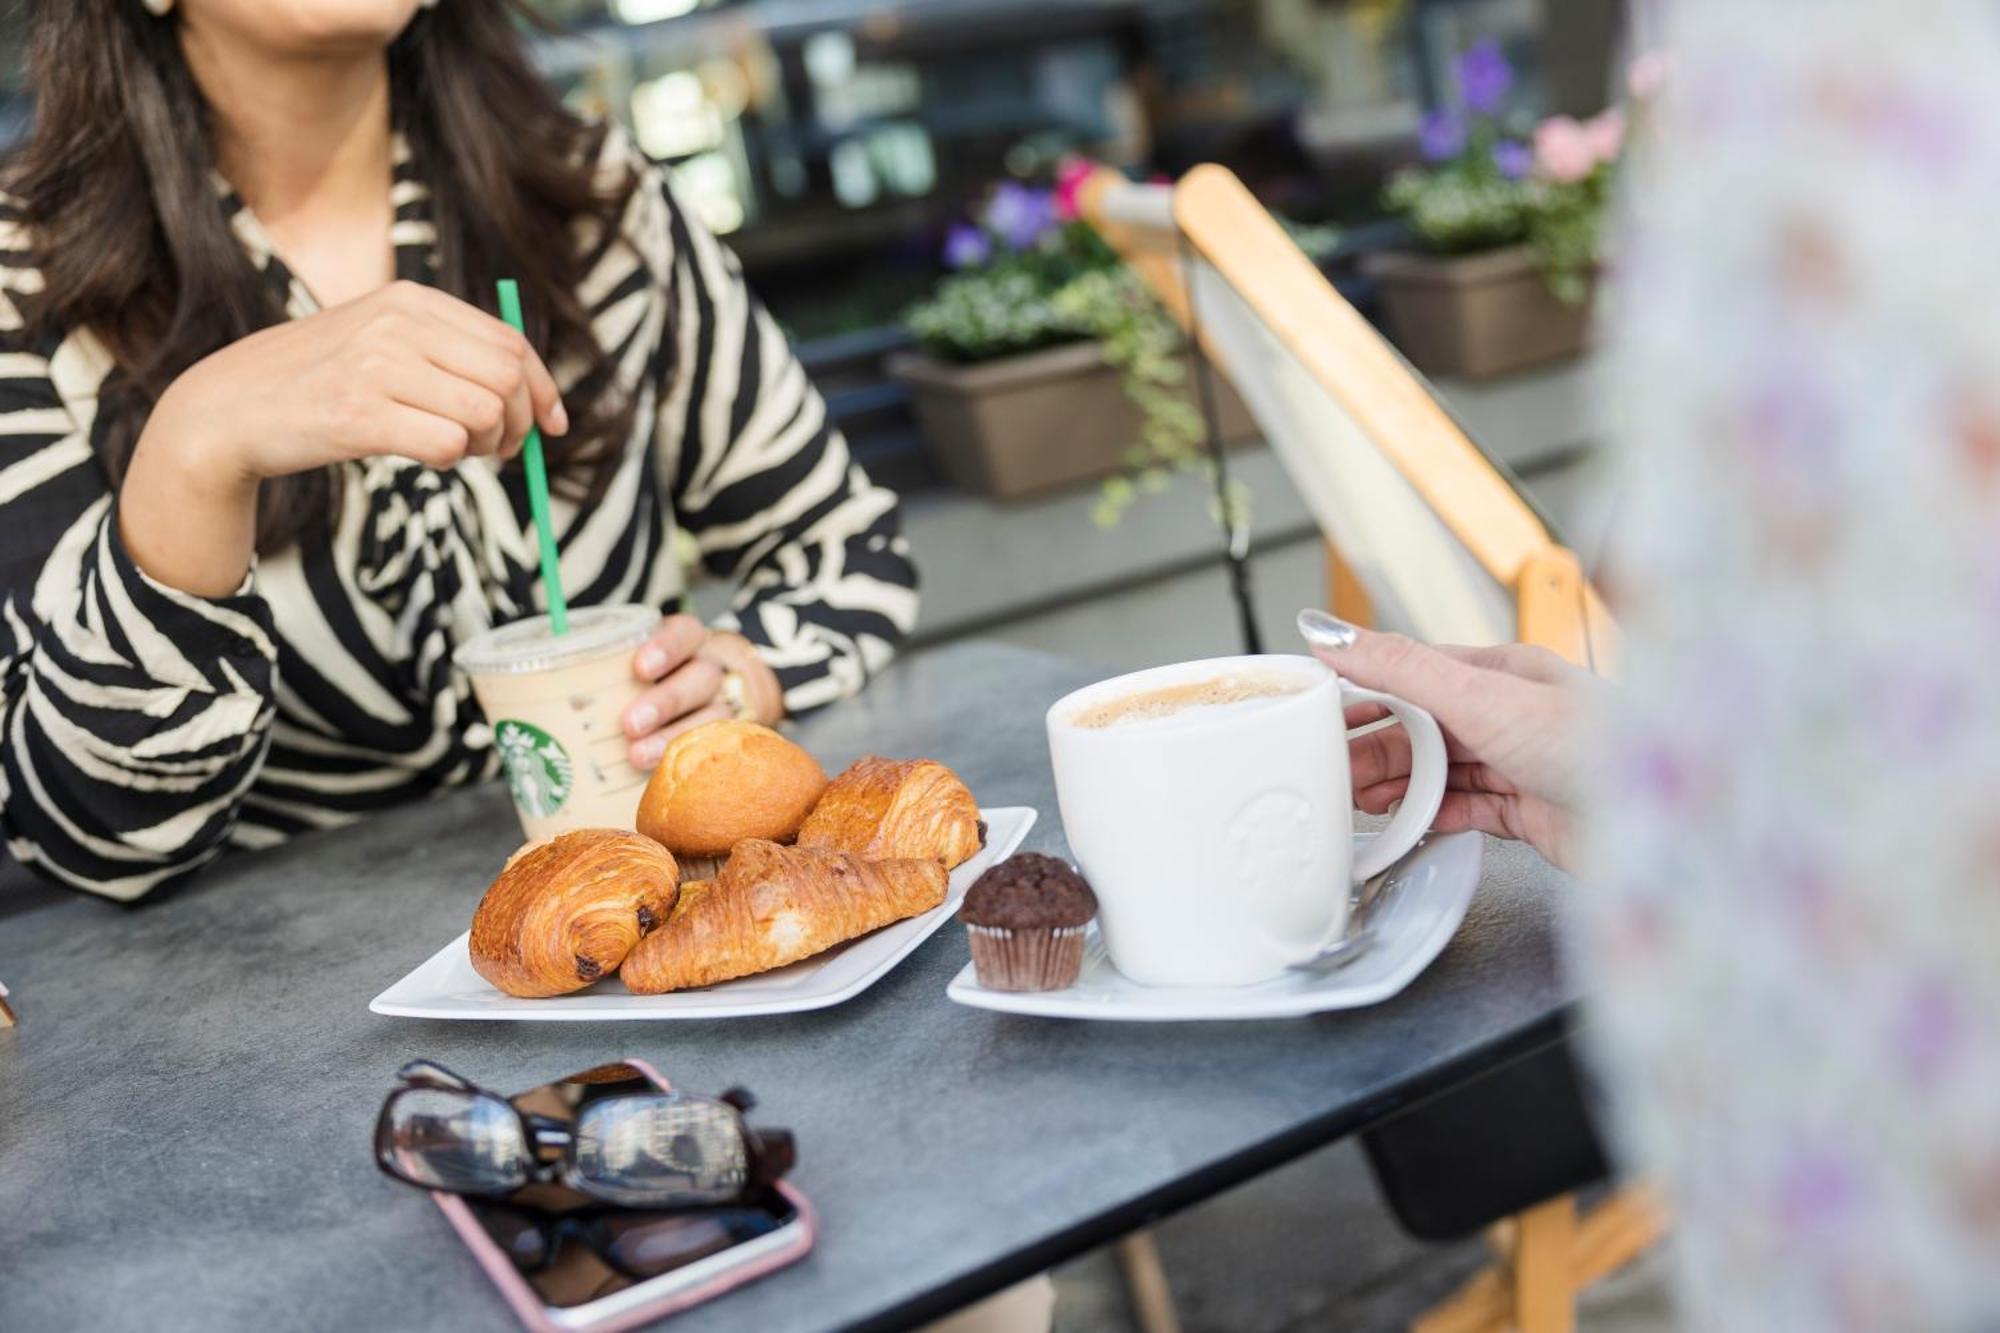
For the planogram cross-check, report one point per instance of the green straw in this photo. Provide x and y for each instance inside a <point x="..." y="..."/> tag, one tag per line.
<point x="538" y="483"/>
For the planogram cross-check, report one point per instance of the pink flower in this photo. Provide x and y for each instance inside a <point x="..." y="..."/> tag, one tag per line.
<point x="1563" y="150"/>
<point x="1071" y="173"/>
<point x="1606" y="132"/>
<point x="1647" y="73"/>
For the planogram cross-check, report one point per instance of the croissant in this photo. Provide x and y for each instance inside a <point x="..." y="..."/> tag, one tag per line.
<point x="774" y="905"/>
<point x="567" y="911"/>
<point x="885" y="808"/>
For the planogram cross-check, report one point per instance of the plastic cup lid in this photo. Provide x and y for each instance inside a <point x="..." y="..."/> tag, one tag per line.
<point x="524" y="646"/>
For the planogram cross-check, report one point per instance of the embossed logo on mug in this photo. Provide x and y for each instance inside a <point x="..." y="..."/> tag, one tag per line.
<point x="1274" y="839"/>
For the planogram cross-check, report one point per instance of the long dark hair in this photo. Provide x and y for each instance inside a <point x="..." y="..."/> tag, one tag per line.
<point x="115" y="180"/>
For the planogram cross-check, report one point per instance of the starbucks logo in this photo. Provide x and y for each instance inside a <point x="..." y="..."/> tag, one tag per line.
<point x="539" y="771"/>
<point x="1275" y="840"/>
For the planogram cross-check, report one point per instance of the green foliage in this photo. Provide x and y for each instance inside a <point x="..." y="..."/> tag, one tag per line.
<point x="1071" y="287"/>
<point x="1466" y="204"/>
<point x="1007" y="306"/>
<point x="1568" y="233"/>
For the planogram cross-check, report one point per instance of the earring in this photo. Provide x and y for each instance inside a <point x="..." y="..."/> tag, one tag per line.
<point x="159" y="9"/>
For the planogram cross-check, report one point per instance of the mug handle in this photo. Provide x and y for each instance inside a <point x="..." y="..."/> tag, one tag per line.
<point x="1427" y="776"/>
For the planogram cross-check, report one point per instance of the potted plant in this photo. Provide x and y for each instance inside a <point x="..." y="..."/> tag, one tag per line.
<point x="1042" y="361"/>
<point x="1510" y="230"/>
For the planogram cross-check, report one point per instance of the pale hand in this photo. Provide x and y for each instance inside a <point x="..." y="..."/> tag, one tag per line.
<point x="1509" y="714"/>
<point x="406" y="371"/>
<point x="684" y="663"/>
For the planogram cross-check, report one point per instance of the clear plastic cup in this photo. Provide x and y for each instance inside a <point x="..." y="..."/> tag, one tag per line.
<point x="554" y="703"/>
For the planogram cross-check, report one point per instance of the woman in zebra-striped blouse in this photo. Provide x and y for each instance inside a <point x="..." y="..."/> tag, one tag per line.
<point x="256" y="434"/>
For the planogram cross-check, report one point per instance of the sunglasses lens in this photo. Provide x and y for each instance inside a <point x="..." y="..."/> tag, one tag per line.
<point x="463" y="1142"/>
<point x="648" y="1246"/>
<point x="519" y="1235"/>
<point x="660" y="1151"/>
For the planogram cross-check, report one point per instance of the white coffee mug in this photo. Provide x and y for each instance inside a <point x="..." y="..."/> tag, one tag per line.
<point x="1219" y="839"/>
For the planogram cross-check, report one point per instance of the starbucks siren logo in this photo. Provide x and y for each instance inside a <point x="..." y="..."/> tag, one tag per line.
<point x="539" y="772"/>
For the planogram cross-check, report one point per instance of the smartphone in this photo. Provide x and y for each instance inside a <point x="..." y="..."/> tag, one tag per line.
<point x="693" y="1256"/>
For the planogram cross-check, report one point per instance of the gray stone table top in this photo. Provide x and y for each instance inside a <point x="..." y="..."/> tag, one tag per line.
<point x="185" y="1110"/>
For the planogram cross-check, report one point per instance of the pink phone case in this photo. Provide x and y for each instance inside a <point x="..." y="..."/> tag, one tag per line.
<point x="533" y="1314"/>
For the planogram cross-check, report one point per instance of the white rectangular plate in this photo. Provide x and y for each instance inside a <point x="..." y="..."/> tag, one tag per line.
<point x="445" y="986"/>
<point x="1430" y="890"/>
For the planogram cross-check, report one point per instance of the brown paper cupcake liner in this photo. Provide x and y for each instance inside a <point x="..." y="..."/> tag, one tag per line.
<point x="1048" y="958"/>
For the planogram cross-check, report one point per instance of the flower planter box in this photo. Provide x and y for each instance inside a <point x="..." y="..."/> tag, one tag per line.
<point x="1475" y="315"/>
<point x="1034" y="422"/>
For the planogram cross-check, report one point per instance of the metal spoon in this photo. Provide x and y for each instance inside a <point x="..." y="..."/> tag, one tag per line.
<point x="1364" y="905"/>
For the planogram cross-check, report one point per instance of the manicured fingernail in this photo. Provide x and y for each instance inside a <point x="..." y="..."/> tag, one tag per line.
<point x="642" y="719"/>
<point x="652" y="662"/>
<point x="1325" y="631"/>
<point x="647" y="752"/>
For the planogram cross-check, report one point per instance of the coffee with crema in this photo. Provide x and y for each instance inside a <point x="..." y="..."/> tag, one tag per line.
<point x="1173" y="700"/>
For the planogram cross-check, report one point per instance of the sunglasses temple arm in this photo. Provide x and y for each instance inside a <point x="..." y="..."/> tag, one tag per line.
<point x="431" y="1074"/>
<point x="773" y="1153"/>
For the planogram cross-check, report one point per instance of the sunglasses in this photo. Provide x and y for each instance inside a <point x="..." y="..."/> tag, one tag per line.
<point x="634" y="1149"/>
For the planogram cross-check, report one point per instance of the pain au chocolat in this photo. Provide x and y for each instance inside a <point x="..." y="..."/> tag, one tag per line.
<point x="567" y="911"/>
<point x="725" y="782"/>
<point x="885" y="809"/>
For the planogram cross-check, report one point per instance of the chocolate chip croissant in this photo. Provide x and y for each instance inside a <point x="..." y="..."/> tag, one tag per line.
<point x="886" y="808"/>
<point x="774" y="905"/>
<point x="565" y="912"/>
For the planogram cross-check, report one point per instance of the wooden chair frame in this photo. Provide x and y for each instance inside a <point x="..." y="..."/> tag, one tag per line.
<point x="1211" y="212"/>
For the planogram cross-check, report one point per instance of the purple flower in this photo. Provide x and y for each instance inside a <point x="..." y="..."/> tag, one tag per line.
<point x="1018" y="215"/>
<point x="1484" y="76"/>
<point x="1441" y="136"/>
<point x="1513" y="159"/>
<point x="966" y="246"/>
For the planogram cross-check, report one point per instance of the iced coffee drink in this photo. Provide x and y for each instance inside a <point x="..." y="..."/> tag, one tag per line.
<point x="554" y="703"/>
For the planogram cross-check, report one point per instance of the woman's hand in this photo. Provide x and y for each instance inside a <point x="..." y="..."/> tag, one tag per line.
<point x="406" y="370"/>
<point x="686" y="665"/>
<point x="1509" y="716"/>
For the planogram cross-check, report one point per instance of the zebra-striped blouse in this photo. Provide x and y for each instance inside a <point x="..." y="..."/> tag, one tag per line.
<point x="147" y="729"/>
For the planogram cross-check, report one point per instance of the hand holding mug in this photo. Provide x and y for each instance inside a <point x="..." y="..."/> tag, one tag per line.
<point x="1509" y="715"/>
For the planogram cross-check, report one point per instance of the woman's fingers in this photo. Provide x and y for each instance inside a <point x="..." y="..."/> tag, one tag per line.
<point x="1526" y="660"/>
<point x="644" y="754"/>
<point x="415" y="382"/>
<point x="692" y="685"/>
<point x="1385" y="752"/>
<point x="1364" y="715"/>
<point x="433" y="440"/>
<point x="541" y="402"/>
<point x="674" y="640"/>
<point x="493" y="367"/>
<point x="1487" y="812"/>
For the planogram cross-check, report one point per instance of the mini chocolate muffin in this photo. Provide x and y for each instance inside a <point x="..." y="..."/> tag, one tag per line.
<point x="1026" y="919"/>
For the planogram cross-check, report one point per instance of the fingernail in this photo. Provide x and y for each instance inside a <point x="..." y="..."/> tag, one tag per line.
<point x="1394" y="806"/>
<point x="652" y="662"/>
<point x="647" y="752"/>
<point x="1327" y="631"/>
<point x="642" y="719"/>
<point x="562" y="419"/>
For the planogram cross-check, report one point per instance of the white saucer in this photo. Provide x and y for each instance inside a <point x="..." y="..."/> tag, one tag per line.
<point x="445" y="986"/>
<point x="1428" y="893"/>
